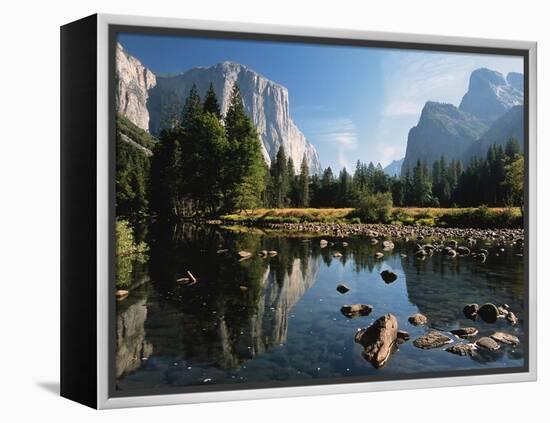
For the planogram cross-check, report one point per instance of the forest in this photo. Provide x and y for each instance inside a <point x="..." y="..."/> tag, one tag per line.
<point x="205" y="165"/>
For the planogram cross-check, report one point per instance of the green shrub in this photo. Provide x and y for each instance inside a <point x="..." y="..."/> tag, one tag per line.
<point x="375" y="208"/>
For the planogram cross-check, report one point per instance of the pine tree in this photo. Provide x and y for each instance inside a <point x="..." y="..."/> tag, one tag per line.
<point x="245" y="167"/>
<point x="192" y="107"/>
<point x="211" y="104"/>
<point x="303" y="182"/>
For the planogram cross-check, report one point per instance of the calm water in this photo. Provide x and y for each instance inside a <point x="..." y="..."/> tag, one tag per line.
<point x="287" y="325"/>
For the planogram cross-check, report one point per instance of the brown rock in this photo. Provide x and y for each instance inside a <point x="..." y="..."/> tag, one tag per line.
<point x="379" y="340"/>
<point x="461" y="349"/>
<point x="418" y="319"/>
<point x="487" y="344"/>
<point x="431" y="340"/>
<point x="511" y="317"/>
<point x="337" y="254"/>
<point x="505" y="338"/>
<point x="379" y="255"/>
<point x="243" y="255"/>
<point x="402" y="336"/>
<point x="121" y="294"/>
<point x="356" y="310"/>
<point x="465" y="332"/>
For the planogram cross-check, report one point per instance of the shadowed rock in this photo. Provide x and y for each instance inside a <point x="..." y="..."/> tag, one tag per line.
<point x="488" y="312"/>
<point x="388" y="276"/>
<point x="379" y="340"/>
<point x="342" y="289"/>
<point x="356" y="310"/>
<point x="470" y="311"/>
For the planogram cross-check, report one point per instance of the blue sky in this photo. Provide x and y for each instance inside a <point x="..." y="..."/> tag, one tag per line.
<point x="352" y="103"/>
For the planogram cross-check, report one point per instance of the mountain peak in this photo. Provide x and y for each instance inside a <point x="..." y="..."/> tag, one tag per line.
<point x="490" y="95"/>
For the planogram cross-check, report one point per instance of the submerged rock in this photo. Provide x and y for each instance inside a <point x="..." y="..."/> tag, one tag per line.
<point x="243" y="255"/>
<point x="465" y="332"/>
<point x="470" y="311"/>
<point x="418" y="319"/>
<point x="511" y="317"/>
<point x="342" y="289"/>
<point x="388" y="276"/>
<point x="432" y="340"/>
<point x="487" y="344"/>
<point x="463" y="251"/>
<point x="379" y="340"/>
<point x="388" y="245"/>
<point x="505" y="338"/>
<point x="461" y="349"/>
<point x="488" y="312"/>
<point x="356" y="310"/>
<point x="121" y="294"/>
<point x="402" y="336"/>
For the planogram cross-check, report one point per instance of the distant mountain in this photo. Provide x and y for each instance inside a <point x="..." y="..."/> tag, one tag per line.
<point x="442" y="130"/>
<point x="490" y="95"/>
<point x="490" y="112"/>
<point x="394" y="168"/>
<point x="266" y="102"/>
<point x="509" y="125"/>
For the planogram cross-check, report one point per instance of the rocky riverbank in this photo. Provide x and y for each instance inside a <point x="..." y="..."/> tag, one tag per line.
<point x="406" y="233"/>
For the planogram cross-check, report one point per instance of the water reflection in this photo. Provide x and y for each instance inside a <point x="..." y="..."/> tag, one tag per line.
<point x="278" y="318"/>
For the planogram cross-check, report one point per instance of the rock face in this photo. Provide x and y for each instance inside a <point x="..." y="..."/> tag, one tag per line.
<point x="379" y="340"/>
<point x="133" y="82"/>
<point x="265" y="101"/>
<point x="490" y="95"/>
<point x="509" y="125"/>
<point x="442" y="130"/>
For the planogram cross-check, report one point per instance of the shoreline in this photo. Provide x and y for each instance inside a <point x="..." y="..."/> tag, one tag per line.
<point x="376" y="230"/>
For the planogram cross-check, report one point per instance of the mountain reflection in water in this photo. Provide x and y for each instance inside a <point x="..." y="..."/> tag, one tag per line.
<point x="278" y="318"/>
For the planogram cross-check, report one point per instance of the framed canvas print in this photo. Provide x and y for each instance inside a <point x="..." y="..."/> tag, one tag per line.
<point x="254" y="211"/>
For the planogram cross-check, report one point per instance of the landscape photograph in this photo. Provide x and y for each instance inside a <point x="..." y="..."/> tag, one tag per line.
<point x="292" y="213"/>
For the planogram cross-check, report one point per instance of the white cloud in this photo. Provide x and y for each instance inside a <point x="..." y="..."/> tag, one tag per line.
<point x="411" y="78"/>
<point x="338" y="134"/>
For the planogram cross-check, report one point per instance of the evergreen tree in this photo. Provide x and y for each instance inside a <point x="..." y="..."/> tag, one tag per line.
<point x="192" y="107"/>
<point x="211" y="104"/>
<point x="303" y="184"/>
<point x="244" y="178"/>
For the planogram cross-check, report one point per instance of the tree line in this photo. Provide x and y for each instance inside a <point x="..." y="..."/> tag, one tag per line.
<point x="207" y="164"/>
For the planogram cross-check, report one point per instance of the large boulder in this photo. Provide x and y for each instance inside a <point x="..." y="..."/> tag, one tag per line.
<point x="379" y="340"/>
